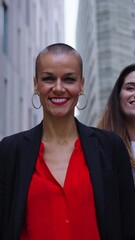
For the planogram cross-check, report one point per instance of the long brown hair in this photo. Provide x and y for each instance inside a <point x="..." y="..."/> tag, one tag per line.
<point x="113" y="118"/>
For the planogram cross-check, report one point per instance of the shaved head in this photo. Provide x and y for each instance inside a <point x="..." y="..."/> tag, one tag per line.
<point x="58" y="48"/>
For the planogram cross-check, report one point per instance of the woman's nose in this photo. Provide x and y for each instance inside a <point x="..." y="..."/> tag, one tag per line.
<point x="58" y="86"/>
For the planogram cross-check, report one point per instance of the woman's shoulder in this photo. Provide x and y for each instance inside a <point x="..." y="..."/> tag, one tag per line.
<point x="106" y="139"/>
<point x="100" y="133"/>
<point x="105" y="133"/>
<point x="14" y="139"/>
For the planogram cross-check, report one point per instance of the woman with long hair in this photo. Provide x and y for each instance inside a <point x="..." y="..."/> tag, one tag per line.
<point x="119" y="114"/>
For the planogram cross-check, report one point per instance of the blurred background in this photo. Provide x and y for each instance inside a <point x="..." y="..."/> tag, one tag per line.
<point x="103" y="31"/>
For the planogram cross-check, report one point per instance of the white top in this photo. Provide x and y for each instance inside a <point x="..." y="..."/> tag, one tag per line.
<point x="133" y="150"/>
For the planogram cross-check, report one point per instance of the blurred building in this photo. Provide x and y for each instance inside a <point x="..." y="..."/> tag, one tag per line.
<point x="105" y="38"/>
<point x="26" y="27"/>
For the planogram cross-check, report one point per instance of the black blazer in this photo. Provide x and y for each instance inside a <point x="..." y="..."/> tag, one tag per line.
<point x="109" y="167"/>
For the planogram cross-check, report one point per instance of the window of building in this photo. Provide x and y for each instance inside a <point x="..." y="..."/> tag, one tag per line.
<point x="5" y="28"/>
<point x="20" y="113"/>
<point x="19" y="4"/>
<point x="133" y="14"/>
<point x="35" y="120"/>
<point x="134" y="33"/>
<point x="27" y="7"/>
<point x="3" y="105"/>
<point x="29" y="117"/>
<point x="41" y="32"/>
<point x="18" y="49"/>
<point x="56" y="31"/>
<point x="34" y="22"/>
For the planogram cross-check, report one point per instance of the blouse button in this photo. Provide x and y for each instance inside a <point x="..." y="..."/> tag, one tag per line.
<point x="66" y="220"/>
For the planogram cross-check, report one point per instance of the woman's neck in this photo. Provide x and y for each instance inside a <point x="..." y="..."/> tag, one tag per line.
<point x="59" y="129"/>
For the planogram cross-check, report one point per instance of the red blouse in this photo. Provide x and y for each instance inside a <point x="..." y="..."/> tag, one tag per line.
<point x="61" y="213"/>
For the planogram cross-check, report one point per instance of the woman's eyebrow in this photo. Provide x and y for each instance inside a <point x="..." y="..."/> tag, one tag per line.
<point x="129" y="83"/>
<point x="70" y="74"/>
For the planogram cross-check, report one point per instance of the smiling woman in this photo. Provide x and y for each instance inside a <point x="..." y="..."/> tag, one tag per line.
<point x="127" y="102"/>
<point x="119" y="114"/>
<point x="58" y="81"/>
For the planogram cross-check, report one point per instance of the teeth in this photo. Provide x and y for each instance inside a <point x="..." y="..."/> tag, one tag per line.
<point x="58" y="100"/>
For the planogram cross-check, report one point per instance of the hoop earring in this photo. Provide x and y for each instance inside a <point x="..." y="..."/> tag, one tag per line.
<point x="85" y="99"/>
<point x="32" y="100"/>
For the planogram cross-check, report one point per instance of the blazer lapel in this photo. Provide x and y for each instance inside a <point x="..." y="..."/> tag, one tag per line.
<point x="92" y="156"/>
<point x="28" y="155"/>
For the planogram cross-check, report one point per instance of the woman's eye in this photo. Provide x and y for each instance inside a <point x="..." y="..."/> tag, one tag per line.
<point x="130" y="88"/>
<point x="70" y="79"/>
<point x="47" y="79"/>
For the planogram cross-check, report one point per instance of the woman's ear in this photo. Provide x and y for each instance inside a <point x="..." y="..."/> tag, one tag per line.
<point x="35" y="84"/>
<point x="82" y="85"/>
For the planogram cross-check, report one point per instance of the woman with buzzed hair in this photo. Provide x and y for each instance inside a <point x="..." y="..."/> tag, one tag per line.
<point x="59" y="48"/>
<point x="62" y="179"/>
